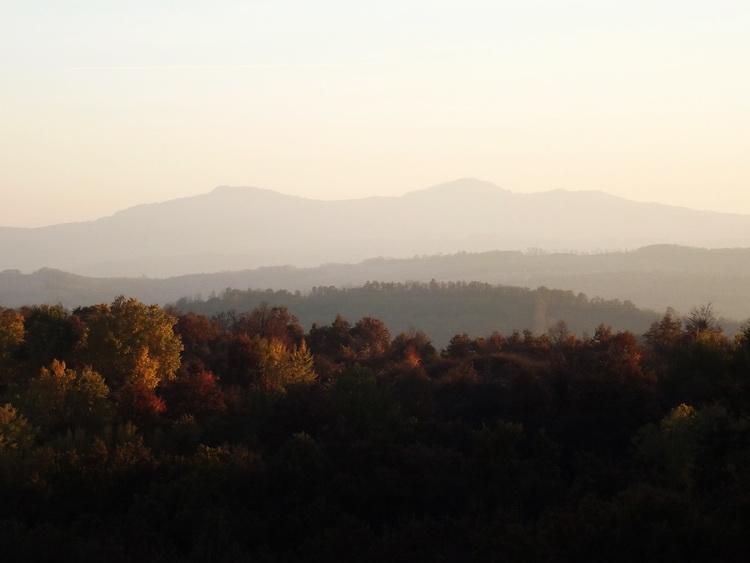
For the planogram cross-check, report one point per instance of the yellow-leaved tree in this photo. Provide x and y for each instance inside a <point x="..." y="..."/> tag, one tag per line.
<point x="61" y="397"/>
<point x="130" y="343"/>
<point x="134" y="347"/>
<point x="280" y="366"/>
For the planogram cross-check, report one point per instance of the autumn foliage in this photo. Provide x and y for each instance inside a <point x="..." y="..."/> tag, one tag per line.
<point x="129" y="432"/>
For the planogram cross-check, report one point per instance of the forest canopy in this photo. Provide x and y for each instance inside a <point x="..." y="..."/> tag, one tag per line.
<point x="439" y="309"/>
<point x="134" y="432"/>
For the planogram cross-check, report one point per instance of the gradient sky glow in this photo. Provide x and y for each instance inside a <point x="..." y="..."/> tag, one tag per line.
<point x="104" y="105"/>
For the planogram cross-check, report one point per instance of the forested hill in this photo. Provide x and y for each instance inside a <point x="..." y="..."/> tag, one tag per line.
<point x="440" y="309"/>
<point x="654" y="277"/>
<point x="131" y="433"/>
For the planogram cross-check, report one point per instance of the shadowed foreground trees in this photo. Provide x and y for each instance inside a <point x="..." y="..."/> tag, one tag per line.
<point x="440" y="309"/>
<point x="11" y="337"/>
<point x="61" y="398"/>
<point x="178" y="437"/>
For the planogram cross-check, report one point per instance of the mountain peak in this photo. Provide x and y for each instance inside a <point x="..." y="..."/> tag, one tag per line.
<point x="233" y="191"/>
<point x="463" y="187"/>
<point x="250" y="227"/>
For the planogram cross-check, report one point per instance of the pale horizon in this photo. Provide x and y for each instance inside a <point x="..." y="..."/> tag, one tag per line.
<point x="106" y="107"/>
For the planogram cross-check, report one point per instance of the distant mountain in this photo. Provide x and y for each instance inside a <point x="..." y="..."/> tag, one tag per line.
<point x="235" y="228"/>
<point x="654" y="277"/>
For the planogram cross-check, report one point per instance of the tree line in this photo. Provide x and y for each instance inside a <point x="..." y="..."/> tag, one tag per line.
<point x="439" y="309"/>
<point x="134" y="432"/>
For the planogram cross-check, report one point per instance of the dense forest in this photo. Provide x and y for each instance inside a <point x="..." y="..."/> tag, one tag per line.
<point x="130" y="432"/>
<point x="440" y="309"/>
<point x="654" y="277"/>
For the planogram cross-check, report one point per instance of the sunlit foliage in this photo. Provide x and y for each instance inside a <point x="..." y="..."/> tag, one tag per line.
<point x="131" y="343"/>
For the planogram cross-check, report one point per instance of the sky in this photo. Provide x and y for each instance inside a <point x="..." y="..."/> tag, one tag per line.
<point x="105" y="105"/>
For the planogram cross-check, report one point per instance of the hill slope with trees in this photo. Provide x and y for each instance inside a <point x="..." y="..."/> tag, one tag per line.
<point x="133" y="433"/>
<point x="438" y="309"/>
<point x="654" y="278"/>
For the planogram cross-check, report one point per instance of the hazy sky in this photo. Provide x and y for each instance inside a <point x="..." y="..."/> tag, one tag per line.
<point x="106" y="104"/>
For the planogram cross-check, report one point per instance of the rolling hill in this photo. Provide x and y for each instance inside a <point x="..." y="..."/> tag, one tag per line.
<point x="654" y="277"/>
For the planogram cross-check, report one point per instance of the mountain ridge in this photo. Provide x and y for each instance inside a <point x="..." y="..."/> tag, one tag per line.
<point x="653" y="278"/>
<point x="232" y="228"/>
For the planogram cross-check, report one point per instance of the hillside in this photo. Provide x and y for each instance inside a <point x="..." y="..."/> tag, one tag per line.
<point x="654" y="278"/>
<point x="248" y="438"/>
<point x="441" y="310"/>
<point x="234" y="228"/>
